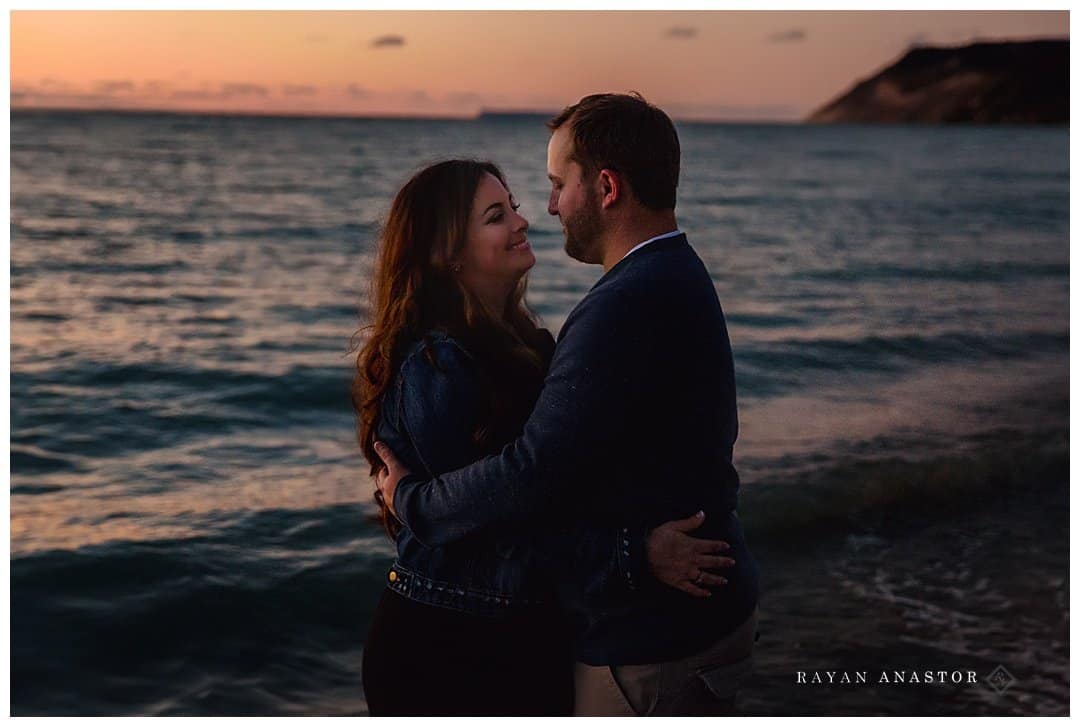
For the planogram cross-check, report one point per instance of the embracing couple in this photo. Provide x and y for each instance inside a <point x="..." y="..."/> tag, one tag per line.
<point x="564" y="512"/>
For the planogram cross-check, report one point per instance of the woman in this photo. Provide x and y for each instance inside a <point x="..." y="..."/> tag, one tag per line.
<point x="449" y="374"/>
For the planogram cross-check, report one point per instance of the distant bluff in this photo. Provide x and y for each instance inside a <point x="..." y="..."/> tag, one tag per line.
<point x="1016" y="82"/>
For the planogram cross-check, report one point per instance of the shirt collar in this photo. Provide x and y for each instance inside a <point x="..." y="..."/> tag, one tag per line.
<point x="640" y="245"/>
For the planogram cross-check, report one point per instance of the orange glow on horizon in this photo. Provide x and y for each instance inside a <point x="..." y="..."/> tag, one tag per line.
<point x="718" y="64"/>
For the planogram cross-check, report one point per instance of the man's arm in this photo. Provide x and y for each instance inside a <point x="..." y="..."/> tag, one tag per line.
<point x="618" y="560"/>
<point x="587" y="399"/>
<point x="628" y="557"/>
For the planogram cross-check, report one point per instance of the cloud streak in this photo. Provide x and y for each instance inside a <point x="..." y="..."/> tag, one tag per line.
<point x="111" y="87"/>
<point x="388" y="41"/>
<point x="232" y="90"/>
<point x="55" y="85"/>
<point x="795" y="35"/>
<point x="188" y="94"/>
<point x="156" y="88"/>
<point x="37" y="96"/>
<point x="226" y="92"/>
<point x="681" y="32"/>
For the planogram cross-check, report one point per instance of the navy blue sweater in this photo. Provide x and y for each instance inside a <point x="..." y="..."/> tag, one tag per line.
<point x="634" y="426"/>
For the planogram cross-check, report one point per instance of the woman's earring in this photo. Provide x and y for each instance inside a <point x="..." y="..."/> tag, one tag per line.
<point x="456" y="268"/>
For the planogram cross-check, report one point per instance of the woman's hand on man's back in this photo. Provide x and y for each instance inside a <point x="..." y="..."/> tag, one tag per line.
<point x="682" y="561"/>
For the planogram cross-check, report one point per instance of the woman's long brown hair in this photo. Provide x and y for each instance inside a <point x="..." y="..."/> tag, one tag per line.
<point x="414" y="292"/>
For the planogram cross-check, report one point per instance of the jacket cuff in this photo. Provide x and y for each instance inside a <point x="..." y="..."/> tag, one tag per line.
<point x="632" y="559"/>
<point x="404" y="488"/>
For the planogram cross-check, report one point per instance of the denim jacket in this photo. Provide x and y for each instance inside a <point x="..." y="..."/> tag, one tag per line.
<point x="429" y="416"/>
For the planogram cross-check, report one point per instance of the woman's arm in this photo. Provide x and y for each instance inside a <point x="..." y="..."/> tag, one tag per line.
<point x="439" y="406"/>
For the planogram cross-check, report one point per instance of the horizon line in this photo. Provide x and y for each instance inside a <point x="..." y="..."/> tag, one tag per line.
<point x="270" y="114"/>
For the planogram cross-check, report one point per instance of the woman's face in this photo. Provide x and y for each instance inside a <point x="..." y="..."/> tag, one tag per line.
<point x="496" y="252"/>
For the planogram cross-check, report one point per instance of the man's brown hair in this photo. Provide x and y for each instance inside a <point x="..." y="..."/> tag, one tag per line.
<point x="626" y="134"/>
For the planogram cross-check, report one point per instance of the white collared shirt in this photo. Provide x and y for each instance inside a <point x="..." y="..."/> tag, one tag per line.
<point x="637" y="247"/>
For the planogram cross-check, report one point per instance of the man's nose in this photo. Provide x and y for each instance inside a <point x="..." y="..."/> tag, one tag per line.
<point x="553" y="207"/>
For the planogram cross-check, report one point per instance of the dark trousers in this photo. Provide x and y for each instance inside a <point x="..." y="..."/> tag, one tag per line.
<point x="422" y="660"/>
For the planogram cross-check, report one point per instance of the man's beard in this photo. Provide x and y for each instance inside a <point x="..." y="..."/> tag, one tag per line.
<point x="583" y="228"/>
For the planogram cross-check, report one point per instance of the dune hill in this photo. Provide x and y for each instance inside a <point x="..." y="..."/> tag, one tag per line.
<point x="1014" y="82"/>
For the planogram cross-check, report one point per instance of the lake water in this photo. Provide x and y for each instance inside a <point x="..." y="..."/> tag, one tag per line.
<point x="190" y="515"/>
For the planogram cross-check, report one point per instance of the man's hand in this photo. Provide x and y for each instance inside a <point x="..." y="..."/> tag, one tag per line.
<point x="388" y="477"/>
<point x="680" y="560"/>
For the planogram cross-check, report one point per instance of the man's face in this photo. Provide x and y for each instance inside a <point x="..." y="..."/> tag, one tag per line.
<point x="576" y="203"/>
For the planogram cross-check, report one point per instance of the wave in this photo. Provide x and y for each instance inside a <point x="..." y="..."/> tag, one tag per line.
<point x="288" y="232"/>
<point x="267" y="612"/>
<point x="28" y="459"/>
<point x="201" y="298"/>
<point x="888" y="353"/>
<point x="845" y="154"/>
<point x="49" y="233"/>
<point x="99" y="268"/>
<point x="113" y="302"/>
<point x="211" y="320"/>
<point x="860" y="491"/>
<point x="117" y="409"/>
<point x="299" y="387"/>
<point x="737" y="200"/>
<point x="237" y="623"/>
<point x="44" y="316"/>
<point x="757" y="320"/>
<point x="34" y="489"/>
<point x="980" y="271"/>
<point x="187" y="236"/>
<point x="317" y="313"/>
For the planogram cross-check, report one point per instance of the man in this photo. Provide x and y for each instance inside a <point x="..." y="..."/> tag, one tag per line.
<point x="635" y="426"/>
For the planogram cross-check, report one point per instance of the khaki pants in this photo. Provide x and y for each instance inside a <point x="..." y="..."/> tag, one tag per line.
<point x="701" y="685"/>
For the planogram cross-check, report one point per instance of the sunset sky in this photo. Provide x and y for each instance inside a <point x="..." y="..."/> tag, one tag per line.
<point x="715" y="65"/>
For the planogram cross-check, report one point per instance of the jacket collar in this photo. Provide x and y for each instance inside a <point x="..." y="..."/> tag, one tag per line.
<point x="653" y="248"/>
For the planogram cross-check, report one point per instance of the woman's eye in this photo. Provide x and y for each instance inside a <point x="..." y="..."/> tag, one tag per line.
<point x="495" y="218"/>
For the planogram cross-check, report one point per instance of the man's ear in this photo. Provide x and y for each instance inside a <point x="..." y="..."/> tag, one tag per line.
<point x="611" y="187"/>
